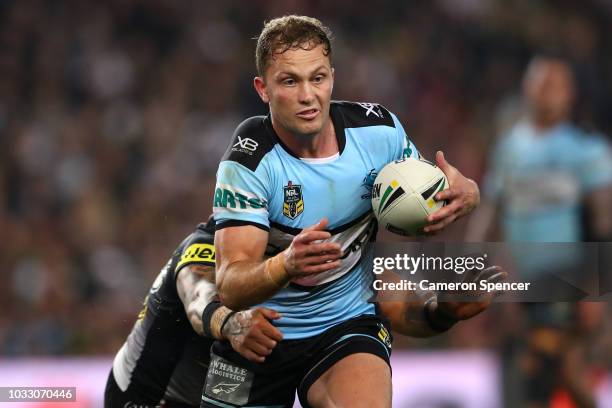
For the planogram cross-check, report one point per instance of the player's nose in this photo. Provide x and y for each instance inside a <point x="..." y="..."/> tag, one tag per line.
<point x="305" y="93"/>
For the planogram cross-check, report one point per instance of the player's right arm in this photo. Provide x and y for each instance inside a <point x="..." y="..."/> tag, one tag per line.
<point x="244" y="193"/>
<point x="245" y="279"/>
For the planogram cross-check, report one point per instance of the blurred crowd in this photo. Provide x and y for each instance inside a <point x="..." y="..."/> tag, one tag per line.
<point x="113" y="116"/>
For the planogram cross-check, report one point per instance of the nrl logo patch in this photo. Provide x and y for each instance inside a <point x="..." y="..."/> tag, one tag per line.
<point x="384" y="335"/>
<point x="293" y="203"/>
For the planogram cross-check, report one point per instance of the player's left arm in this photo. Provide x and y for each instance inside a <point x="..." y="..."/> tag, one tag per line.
<point x="462" y="197"/>
<point x="431" y="314"/>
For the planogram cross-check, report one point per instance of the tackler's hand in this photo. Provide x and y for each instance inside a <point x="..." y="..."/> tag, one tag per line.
<point x="251" y="333"/>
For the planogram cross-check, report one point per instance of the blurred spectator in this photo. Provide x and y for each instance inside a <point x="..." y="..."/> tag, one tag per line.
<point x="542" y="173"/>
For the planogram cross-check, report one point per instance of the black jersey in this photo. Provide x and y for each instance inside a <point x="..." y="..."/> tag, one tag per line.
<point x="163" y="357"/>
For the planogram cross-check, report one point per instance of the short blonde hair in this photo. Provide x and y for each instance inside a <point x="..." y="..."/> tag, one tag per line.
<point x="290" y="32"/>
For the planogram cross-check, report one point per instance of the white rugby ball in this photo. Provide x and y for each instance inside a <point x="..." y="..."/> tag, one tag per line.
<point x="403" y="195"/>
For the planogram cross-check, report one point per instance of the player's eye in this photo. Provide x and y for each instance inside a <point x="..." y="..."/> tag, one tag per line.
<point x="318" y="79"/>
<point x="288" y="82"/>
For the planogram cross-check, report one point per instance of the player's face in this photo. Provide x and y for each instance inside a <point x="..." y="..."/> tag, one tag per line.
<point x="550" y="91"/>
<point x="298" y="86"/>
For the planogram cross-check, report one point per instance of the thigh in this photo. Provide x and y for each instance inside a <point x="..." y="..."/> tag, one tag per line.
<point x="232" y="381"/>
<point x="358" y="380"/>
<point x="351" y="368"/>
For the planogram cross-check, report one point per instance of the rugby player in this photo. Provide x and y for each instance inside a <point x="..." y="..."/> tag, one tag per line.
<point x="293" y="181"/>
<point x="164" y="360"/>
<point x="173" y="363"/>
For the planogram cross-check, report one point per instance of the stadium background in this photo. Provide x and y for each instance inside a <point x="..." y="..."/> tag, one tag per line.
<point x="113" y="117"/>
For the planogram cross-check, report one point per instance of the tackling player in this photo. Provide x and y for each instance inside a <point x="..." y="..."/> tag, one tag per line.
<point x="173" y="361"/>
<point x="167" y="353"/>
<point x="293" y="182"/>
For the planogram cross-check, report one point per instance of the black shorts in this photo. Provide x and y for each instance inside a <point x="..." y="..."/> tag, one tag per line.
<point x="294" y="364"/>
<point x="115" y="398"/>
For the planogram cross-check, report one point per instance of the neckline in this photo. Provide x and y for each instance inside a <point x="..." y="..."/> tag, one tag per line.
<point x="320" y="160"/>
<point x="337" y="121"/>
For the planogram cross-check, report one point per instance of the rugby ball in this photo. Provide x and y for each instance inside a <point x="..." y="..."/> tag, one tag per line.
<point x="403" y="195"/>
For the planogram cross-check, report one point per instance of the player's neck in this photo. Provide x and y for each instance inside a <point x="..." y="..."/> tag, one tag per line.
<point x="323" y="144"/>
<point x="543" y="124"/>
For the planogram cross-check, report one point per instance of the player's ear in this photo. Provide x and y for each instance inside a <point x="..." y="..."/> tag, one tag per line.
<point x="260" y="87"/>
<point x="332" y="78"/>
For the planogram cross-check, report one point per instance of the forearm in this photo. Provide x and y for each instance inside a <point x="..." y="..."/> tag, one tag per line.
<point x="242" y="284"/>
<point x="407" y="318"/>
<point x="214" y="319"/>
<point x="414" y="320"/>
<point x="196" y="290"/>
<point x="202" y="296"/>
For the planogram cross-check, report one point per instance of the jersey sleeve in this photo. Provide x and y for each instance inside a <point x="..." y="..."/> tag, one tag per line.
<point x="595" y="168"/>
<point x="242" y="187"/>
<point x="198" y="248"/>
<point x="241" y="197"/>
<point x="404" y="148"/>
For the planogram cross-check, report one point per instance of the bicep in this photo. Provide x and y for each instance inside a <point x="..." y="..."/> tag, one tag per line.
<point x="244" y="243"/>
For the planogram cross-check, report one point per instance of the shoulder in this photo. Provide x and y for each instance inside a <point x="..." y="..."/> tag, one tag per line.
<point x="198" y="247"/>
<point x="363" y="114"/>
<point x="251" y="141"/>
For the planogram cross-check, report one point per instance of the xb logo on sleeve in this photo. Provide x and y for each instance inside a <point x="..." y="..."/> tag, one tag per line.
<point x="293" y="203"/>
<point x="246" y="145"/>
<point x="372" y="108"/>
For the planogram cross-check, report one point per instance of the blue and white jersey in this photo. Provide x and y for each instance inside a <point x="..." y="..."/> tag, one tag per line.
<point x="261" y="182"/>
<point x="539" y="179"/>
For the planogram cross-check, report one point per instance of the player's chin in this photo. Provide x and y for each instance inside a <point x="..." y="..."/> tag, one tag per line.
<point x="309" y="128"/>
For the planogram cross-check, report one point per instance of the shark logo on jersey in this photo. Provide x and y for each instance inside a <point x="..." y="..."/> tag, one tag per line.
<point x="368" y="183"/>
<point x="293" y="203"/>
